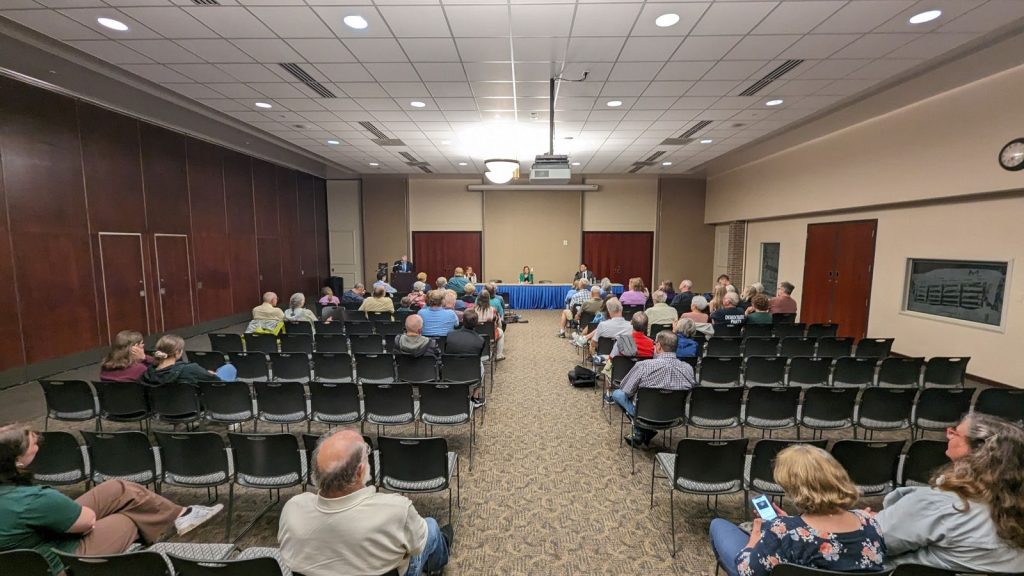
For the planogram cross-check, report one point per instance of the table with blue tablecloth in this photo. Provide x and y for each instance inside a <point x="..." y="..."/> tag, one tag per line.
<point x="540" y="296"/>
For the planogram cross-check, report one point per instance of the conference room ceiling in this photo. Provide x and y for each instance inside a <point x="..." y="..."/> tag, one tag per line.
<point x="480" y="69"/>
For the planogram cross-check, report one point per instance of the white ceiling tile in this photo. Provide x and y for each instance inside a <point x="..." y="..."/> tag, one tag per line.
<point x="206" y="73"/>
<point x="88" y="17"/>
<point x="735" y="102"/>
<point x="541" y="19"/>
<point x="281" y="89"/>
<point x="705" y="47"/>
<point x="604" y="19"/>
<point x="829" y="69"/>
<point x="596" y="71"/>
<point x="992" y="14"/>
<point x="818" y="46"/>
<point x="932" y="45"/>
<point x="875" y="45"/>
<point x="319" y="116"/>
<point x="334" y="17"/>
<point x="847" y="87"/>
<point x="431" y="49"/>
<point x="862" y="16"/>
<point x="887" y="68"/>
<point x="155" y="72"/>
<point x="536" y="71"/>
<point x="675" y="89"/>
<point x="393" y="72"/>
<point x="493" y="89"/>
<point x="337" y="104"/>
<point x="679" y="115"/>
<point x="595" y="49"/>
<point x="376" y="49"/>
<point x="111" y="51"/>
<point x="734" y="70"/>
<point x="648" y="49"/>
<point x="449" y="89"/>
<point x="217" y="51"/>
<point x="712" y="88"/>
<point x="605" y="116"/>
<point x="53" y="24"/>
<point x="623" y="88"/>
<point x="163" y="51"/>
<point x="798" y="87"/>
<point x="193" y="90"/>
<point x="576" y="103"/>
<point x="654" y="102"/>
<point x="250" y="72"/>
<point x="231" y="22"/>
<point x="587" y="88"/>
<point x="815" y="102"/>
<point x="718" y="114"/>
<point x="375" y="104"/>
<point x="797" y="17"/>
<point x="732" y="18"/>
<point x="533" y="89"/>
<point x="19" y="4"/>
<point x="406" y="89"/>
<point x="226" y="105"/>
<point x="484" y="49"/>
<point x="462" y="116"/>
<point x="689" y="13"/>
<point x="441" y="72"/>
<point x="321" y="50"/>
<point x="478" y="21"/>
<point x="236" y="90"/>
<point x="362" y="89"/>
<point x="684" y="70"/>
<point x="639" y="114"/>
<point x="170" y="22"/>
<point x="761" y="47"/>
<point x="752" y="115"/>
<point x="539" y="49"/>
<point x="344" y="73"/>
<point x="633" y="71"/>
<point x="951" y="9"/>
<point x="268" y="50"/>
<point x="488" y="71"/>
<point x="416" y="21"/>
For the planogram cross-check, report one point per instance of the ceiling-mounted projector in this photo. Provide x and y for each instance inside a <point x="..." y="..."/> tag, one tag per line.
<point x="550" y="169"/>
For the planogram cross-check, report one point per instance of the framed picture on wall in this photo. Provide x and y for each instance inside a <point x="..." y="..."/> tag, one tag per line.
<point x="964" y="291"/>
<point x="770" y="266"/>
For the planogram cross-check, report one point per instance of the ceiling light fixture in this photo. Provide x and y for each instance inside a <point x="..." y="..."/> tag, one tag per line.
<point x="333" y="142"/>
<point x="463" y="164"/>
<point x="575" y="163"/>
<point x="666" y="20"/>
<point x="374" y="164"/>
<point x="706" y="141"/>
<point x="614" y="103"/>
<point x="501" y="170"/>
<point x="445" y="142"/>
<point x="355" y="21"/>
<point x="417" y="104"/>
<point x="666" y="163"/>
<point x="263" y="105"/>
<point x="113" y="24"/>
<point x="925" y="16"/>
<point x="775" y="102"/>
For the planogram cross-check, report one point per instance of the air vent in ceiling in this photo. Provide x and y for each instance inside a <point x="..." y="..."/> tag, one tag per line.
<point x="388" y="142"/>
<point x="649" y="161"/>
<point x="686" y="137"/>
<point x="770" y="77"/>
<point x="425" y="169"/>
<point x="304" y="77"/>
<point x="412" y="161"/>
<point x="635" y="169"/>
<point x="206" y="2"/>
<point x="381" y="138"/>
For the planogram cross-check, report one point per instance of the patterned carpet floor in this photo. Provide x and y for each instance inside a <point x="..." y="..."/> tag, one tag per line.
<point x="550" y="492"/>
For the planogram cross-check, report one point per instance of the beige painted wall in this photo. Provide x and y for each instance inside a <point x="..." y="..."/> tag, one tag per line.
<point x="444" y="205"/>
<point x="540" y="229"/>
<point x="344" y="224"/>
<point x="685" y="245"/>
<point x="385" y="220"/>
<point x="944" y="146"/>
<point x="621" y="205"/>
<point x="982" y="229"/>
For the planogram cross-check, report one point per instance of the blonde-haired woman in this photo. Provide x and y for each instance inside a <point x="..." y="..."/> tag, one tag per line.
<point x="636" y="295"/>
<point x="717" y="297"/>
<point x="827" y="534"/>
<point x="971" y="517"/>
<point x="169" y="368"/>
<point x="126" y="361"/>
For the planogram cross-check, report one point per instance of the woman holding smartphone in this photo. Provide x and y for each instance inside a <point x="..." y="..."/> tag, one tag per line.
<point x="827" y="534"/>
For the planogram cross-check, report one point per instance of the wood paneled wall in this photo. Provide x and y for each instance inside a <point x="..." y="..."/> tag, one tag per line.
<point x="98" y="208"/>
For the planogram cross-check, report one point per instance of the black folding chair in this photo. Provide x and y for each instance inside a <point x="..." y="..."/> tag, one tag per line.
<point x="822" y="330"/>
<point x="764" y="371"/>
<point x="227" y="402"/>
<point x="448" y="404"/>
<point x="653" y="329"/>
<point x="727" y="331"/>
<point x="358" y="328"/>
<point x="297" y="327"/>
<point x="946" y="371"/>
<point x="195" y="460"/>
<point x="827" y="408"/>
<point x="297" y="342"/>
<point x="135" y="563"/>
<point x="757" y="331"/>
<point x="334" y="343"/>
<point x="389" y="404"/>
<point x="793" y="346"/>
<point x="856" y="371"/>
<point x="834" y="346"/>
<point x="874" y="347"/>
<point x="761" y="474"/>
<point x="225" y="343"/>
<point x="656" y="409"/>
<point x="290" y="366"/>
<point x="884" y="410"/>
<point x="265" y="566"/>
<point x="722" y="346"/>
<point x="761" y="346"/>
<point x="904" y="372"/>
<point x="419" y="465"/>
<point x="333" y="327"/>
<point x="123" y="456"/>
<point x="783" y="317"/>
<point x="281" y="402"/>
<point x="60" y="460"/>
<point x="250" y="365"/>
<point x="715" y="409"/>
<point x="922" y="460"/>
<point x="366" y="344"/>
<point x="704" y="467"/>
<point x="390" y="329"/>
<point x="333" y="367"/>
<point x="375" y="368"/>
<point x="940" y="408"/>
<point x="69" y="400"/>
<point x="806" y="371"/>
<point x="24" y="563"/>
<point x="1006" y="403"/>
<point x="719" y="371"/>
<point x="269" y="462"/>
<point x="769" y="409"/>
<point x="334" y="403"/>
<point x="416" y="369"/>
<point x="175" y="403"/>
<point x="208" y="360"/>
<point x="265" y="343"/>
<point x="871" y="465"/>
<point x="788" y="329"/>
<point x="629" y="310"/>
<point x="122" y="402"/>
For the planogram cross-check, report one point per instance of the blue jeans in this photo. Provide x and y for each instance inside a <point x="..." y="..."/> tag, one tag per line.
<point x="434" y="556"/>
<point x="623" y="401"/>
<point x="727" y="540"/>
<point x="227" y="373"/>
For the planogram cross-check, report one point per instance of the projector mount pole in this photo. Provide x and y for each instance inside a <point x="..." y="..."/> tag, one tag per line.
<point x="551" y="108"/>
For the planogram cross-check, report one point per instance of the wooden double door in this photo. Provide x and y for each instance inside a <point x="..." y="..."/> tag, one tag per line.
<point x="838" y="265"/>
<point x="439" y="253"/>
<point x="620" y="255"/>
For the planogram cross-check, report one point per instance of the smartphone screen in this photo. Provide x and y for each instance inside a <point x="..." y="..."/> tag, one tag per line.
<point x="764" y="508"/>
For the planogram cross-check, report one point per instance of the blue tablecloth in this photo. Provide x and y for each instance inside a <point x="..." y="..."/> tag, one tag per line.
<point x="540" y="296"/>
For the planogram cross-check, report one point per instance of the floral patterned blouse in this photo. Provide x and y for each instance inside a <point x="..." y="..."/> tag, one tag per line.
<point x="789" y="540"/>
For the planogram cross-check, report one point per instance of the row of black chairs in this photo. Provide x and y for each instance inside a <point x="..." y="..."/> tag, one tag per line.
<point x="791" y="330"/>
<point x="825" y="346"/>
<point x="202" y="460"/>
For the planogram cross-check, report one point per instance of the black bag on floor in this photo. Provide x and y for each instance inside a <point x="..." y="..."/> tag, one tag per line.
<point x="581" y="377"/>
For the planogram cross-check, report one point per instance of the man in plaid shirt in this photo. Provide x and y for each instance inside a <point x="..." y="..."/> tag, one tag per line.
<point x="572" y="300"/>
<point x="663" y="372"/>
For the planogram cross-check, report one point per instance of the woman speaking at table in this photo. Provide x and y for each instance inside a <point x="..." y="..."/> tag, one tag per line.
<point x="526" y="276"/>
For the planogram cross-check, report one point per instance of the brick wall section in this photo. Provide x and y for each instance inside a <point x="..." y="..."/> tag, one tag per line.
<point x="737" y="247"/>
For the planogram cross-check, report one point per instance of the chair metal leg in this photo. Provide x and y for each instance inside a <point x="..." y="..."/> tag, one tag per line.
<point x="231" y="506"/>
<point x="672" y="514"/>
<point x="654" y="465"/>
<point x="273" y="502"/>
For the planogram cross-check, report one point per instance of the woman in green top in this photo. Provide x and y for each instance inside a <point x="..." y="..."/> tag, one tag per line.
<point x="760" y="314"/>
<point x="104" y="520"/>
<point x="526" y="276"/>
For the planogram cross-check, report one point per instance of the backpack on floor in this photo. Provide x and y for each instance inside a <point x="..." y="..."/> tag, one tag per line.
<point x="581" y="377"/>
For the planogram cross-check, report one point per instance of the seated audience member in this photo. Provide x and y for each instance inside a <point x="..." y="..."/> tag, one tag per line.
<point x="382" y="282"/>
<point x="497" y="301"/>
<point x="717" y="298"/>
<point x="437" y="321"/>
<point x="441" y="283"/>
<point x="267" y="318"/>
<point x="349" y="528"/>
<point x="105" y="520"/>
<point x="458" y="281"/>
<point x="606" y="287"/>
<point x="379" y="302"/>
<point x="730" y="313"/>
<point x="581" y="295"/>
<point x="636" y="295"/>
<point x="583" y="274"/>
<point x="297" y="309"/>
<point x="170" y="370"/>
<point x="327" y="297"/>
<point x="413" y="342"/>
<point x="663" y="372"/>
<point x="470" y="275"/>
<point x="827" y="534"/>
<point x="354" y="296"/>
<point x="418" y="295"/>
<point x="783" y="303"/>
<point x="405" y="304"/>
<point x="661" y="313"/>
<point x="591" y="307"/>
<point x="613" y="327"/>
<point x="666" y="287"/>
<point x="698" y="310"/>
<point x="686" y="346"/>
<point x="573" y="289"/>
<point x="422" y="277"/>
<point x="458" y="303"/>
<point x="682" y="299"/>
<point x="126" y="361"/>
<point x="636" y="344"/>
<point x="526" y="276"/>
<point x="971" y="517"/>
<point x="747" y="297"/>
<point x="760" y="314"/>
<point x="486" y="312"/>
<point x="722" y="280"/>
<point x="465" y="340"/>
<point x="450" y="303"/>
<point x="469" y="294"/>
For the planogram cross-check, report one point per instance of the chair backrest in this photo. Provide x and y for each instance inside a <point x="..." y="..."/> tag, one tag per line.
<point x="208" y="360"/>
<point x="605" y="345"/>
<point x="416" y="368"/>
<point x="361" y="328"/>
<point x="375" y="367"/>
<point x="783" y="317"/>
<point x="822" y="330"/>
<point x="333" y="398"/>
<point x="265" y="456"/>
<point x="1007" y="403"/>
<point x="366" y="343"/>
<point x="765" y="371"/>
<point x="834" y="346"/>
<point x="69" y="397"/>
<point x="828" y="404"/>
<point x="720" y="405"/>
<point x="724" y="346"/>
<point x="192" y="454"/>
<point x="122" y="400"/>
<point x="225" y="398"/>
<point x="728" y="331"/>
<point x="792" y="346"/>
<point x="135" y="563"/>
<point x="653" y="329"/>
<point x="332" y="327"/>
<point x="874" y="347"/>
<point x="296" y="327"/>
<point x="390" y="329"/>
<point x="328" y="342"/>
<point x="720" y="371"/>
<point x="24" y="563"/>
<point x="853" y="371"/>
<point x="390" y="399"/>
<point x="771" y="404"/>
<point x="300" y="342"/>
<point x="942" y="407"/>
<point x="280" y="397"/>
<point x="290" y="366"/>
<point x="660" y="407"/>
<point x="946" y="371"/>
<point x="809" y="371"/>
<point x="885" y="405"/>
<point x="444" y="398"/>
<point x="621" y="365"/>
<point x="226" y="342"/>
<point x="250" y="365"/>
<point x="869" y="463"/>
<point x="174" y="401"/>
<point x="629" y="310"/>
<point x="923" y="458"/>
<point x="757" y="331"/>
<point x="900" y="372"/>
<point x="249" y="567"/>
<point x="788" y="329"/>
<point x="711" y="461"/>
<point x="59" y="460"/>
<point x="125" y="455"/>
<point x="333" y="366"/>
<point x="761" y="346"/>
<point x="762" y="462"/>
<point x="260" y="342"/>
<point x="460" y="368"/>
<point x="413" y="459"/>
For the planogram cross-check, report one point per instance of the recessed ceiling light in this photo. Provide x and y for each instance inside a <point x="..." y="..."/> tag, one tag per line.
<point x="925" y="16"/>
<point x="112" y="24"/>
<point x="773" y="102"/>
<point x="417" y="104"/>
<point x="666" y="163"/>
<point x="445" y="142"/>
<point x="463" y="164"/>
<point x="706" y="141"/>
<point x="614" y="103"/>
<point x="374" y="164"/>
<point x="666" y="20"/>
<point x="355" y="21"/>
<point x="264" y="105"/>
<point x="575" y="163"/>
<point x="333" y="142"/>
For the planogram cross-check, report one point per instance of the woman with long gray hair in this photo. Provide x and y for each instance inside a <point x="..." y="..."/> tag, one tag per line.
<point x="297" y="309"/>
